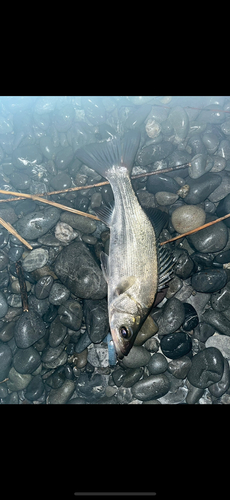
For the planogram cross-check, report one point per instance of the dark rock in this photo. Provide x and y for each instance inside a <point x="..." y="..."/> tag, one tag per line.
<point x="57" y="332"/>
<point x="94" y="110"/>
<point x="210" y="239"/>
<point x="184" y="265"/>
<point x="71" y="314"/>
<point x="157" y="364"/>
<point x="132" y="375"/>
<point x="35" y="388"/>
<point x="26" y="360"/>
<point x="179" y="121"/>
<point x="35" y="224"/>
<point x="217" y="320"/>
<point x="40" y="306"/>
<point x="96" y="319"/>
<point x="27" y="156"/>
<point x="222" y="257"/>
<point x="138" y="356"/>
<point x="220" y="301"/>
<point x="200" y="189"/>
<point x="209" y="281"/>
<point x="58" y="294"/>
<point x="175" y="345"/>
<point x="83" y="342"/>
<point x="28" y="329"/>
<point x="173" y="315"/>
<point x="3" y="305"/>
<point x="4" y="260"/>
<point x="191" y="318"/>
<point x="224" y="209"/>
<point x="222" y="386"/>
<point x="152" y="387"/>
<point x="154" y="152"/>
<point x="78" y="271"/>
<point x="180" y="367"/>
<point x="137" y="117"/>
<point x="43" y="287"/>
<point x="161" y="182"/>
<point x="207" y="368"/>
<point x="5" y="360"/>
<point x="62" y="394"/>
<point x="203" y="331"/>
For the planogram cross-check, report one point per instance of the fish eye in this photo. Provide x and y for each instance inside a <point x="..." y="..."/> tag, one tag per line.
<point x="125" y="332"/>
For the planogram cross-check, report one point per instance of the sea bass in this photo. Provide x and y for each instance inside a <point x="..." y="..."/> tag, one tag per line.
<point x="136" y="266"/>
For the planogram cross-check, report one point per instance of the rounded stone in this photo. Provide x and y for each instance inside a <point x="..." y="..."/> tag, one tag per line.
<point x="18" y="381"/>
<point x="26" y="360"/>
<point x="178" y="118"/>
<point x="217" y="320"/>
<point x="43" y="287"/>
<point x="138" y="356"/>
<point x="70" y="313"/>
<point x="220" y="300"/>
<point x="191" y="318"/>
<point x="200" y="164"/>
<point x="152" y="387"/>
<point x="62" y="394"/>
<point x="209" y="281"/>
<point x="180" y="367"/>
<point x="83" y="224"/>
<point x="35" y="224"/>
<point x="29" y="329"/>
<point x="35" y="259"/>
<point x="166" y="198"/>
<point x="3" y="305"/>
<point x="27" y="156"/>
<point x="173" y="316"/>
<point x="5" y="360"/>
<point x="221" y="342"/>
<point x="210" y="239"/>
<point x="157" y="364"/>
<point x="188" y="217"/>
<point x="175" y="345"/>
<point x="58" y="294"/>
<point x="96" y="319"/>
<point x="57" y="332"/>
<point x="219" y="388"/>
<point x="207" y="368"/>
<point x="35" y="388"/>
<point x="201" y="188"/>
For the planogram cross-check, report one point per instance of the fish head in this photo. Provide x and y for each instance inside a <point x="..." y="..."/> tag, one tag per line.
<point x="125" y="319"/>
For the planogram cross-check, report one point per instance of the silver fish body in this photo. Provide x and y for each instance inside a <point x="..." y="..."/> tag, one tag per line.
<point x="131" y="269"/>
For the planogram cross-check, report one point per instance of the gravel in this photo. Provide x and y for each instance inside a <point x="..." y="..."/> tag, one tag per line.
<point x="57" y="351"/>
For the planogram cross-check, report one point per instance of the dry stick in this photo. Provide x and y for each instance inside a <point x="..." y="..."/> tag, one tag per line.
<point x="13" y="231"/>
<point x="22" y="284"/>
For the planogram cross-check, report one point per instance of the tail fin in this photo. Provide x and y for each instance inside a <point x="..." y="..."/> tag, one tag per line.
<point x="102" y="156"/>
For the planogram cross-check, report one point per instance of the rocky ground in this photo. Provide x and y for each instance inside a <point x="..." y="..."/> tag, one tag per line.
<point x="57" y="351"/>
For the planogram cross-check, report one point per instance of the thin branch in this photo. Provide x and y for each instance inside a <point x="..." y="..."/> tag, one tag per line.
<point x="13" y="231"/>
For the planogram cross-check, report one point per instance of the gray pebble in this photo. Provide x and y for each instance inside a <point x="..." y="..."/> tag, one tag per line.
<point x="29" y="329"/>
<point x="218" y="320"/>
<point x="166" y="198"/>
<point x="70" y="313"/>
<point x="3" y="305"/>
<point x="188" y="217"/>
<point x="52" y="353"/>
<point x="152" y="387"/>
<point x="36" y="224"/>
<point x="35" y="388"/>
<point x="64" y="232"/>
<point x="200" y="189"/>
<point x="58" y="294"/>
<point x="179" y="121"/>
<point x="79" y="272"/>
<point x="173" y="315"/>
<point x="138" y="356"/>
<point x="96" y="319"/>
<point x="207" y="368"/>
<point x="43" y="287"/>
<point x="59" y="361"/>
<point x="26" y="360"/>
<point x="35" y="259"/>
<point x="57" y="332"/>
<point x="18" y="381"/>
<point x="210" y="239"/>
<point x="211" y="142"/>
<point x="180" y="367"/>
<point x="220" y="300"/>
<point x="221" y="342"/>
<point x="83" y="224"/>
<point x="210" y="280"/>
<point x="62" y="394"/>
<point x="200" y="164"/>
<point x="5" y="360"/>
<point x="157" y="364"/>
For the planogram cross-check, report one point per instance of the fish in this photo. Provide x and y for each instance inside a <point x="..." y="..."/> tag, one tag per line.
<point x="137" y="266"/>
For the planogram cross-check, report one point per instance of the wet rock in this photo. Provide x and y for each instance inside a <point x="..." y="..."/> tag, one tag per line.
<point x="94" y="110"/>
<point x="96" y="319"/>
<point x="184" y="265"/>
<point x="5" y="360"/>
<point x="58" y="294"/>
<point x="211" y="142"/>
<point x="35" y="259"/>
<point x="35" y="388"/>
<point x="179" y="367"/>
<point x="26" y="156"/>
<point x="200" y="189"/>
<point x="132" y="375"/>
<point x="36" y="224"/>
<point x="78" y="271"/>
<point x="175" y="345"/>
<point x="70" y="313"/>
<point x="138" y="356"/>
<point x="211" y="239"/>
<point x="3" y="305"/>
<point x="57" y="332"/>
<point x="173" y="315"/>
<point x="62" y="394"/>
<point x="83" y="224"/>
<point x="220" y="300"/>
<point x="29" y="329"/>
<point x="157" y="364"/>
<point x="65" y="233"/>
<point x="161" y="182"/>
<point x="200" y="164"/>
<point x="209" y="281"/>
<point x="219" y="388"/>
<point x="207" y="368"/>
<point x="218" y="320"/>
<point x="165" y="198"/>
<point x="191" y="318"/>
<point x="221" y="342"/>
<point x="154" y="152"/>
<point x="179" y="121"/>
<point x="26" y="360"/>
<point x="18" y="381"/>
<point x="8" y="215"/>
<point x="43" y="287"/>
<point x="187" y="217"/>
<point x="151" y="387"/>
<point x="224" y="209"/>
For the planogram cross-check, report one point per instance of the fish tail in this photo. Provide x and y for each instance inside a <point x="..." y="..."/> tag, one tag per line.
<point x="116" y="152"/>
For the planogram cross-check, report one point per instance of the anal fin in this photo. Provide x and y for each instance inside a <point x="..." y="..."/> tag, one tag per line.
<point x="166" y="263"/>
